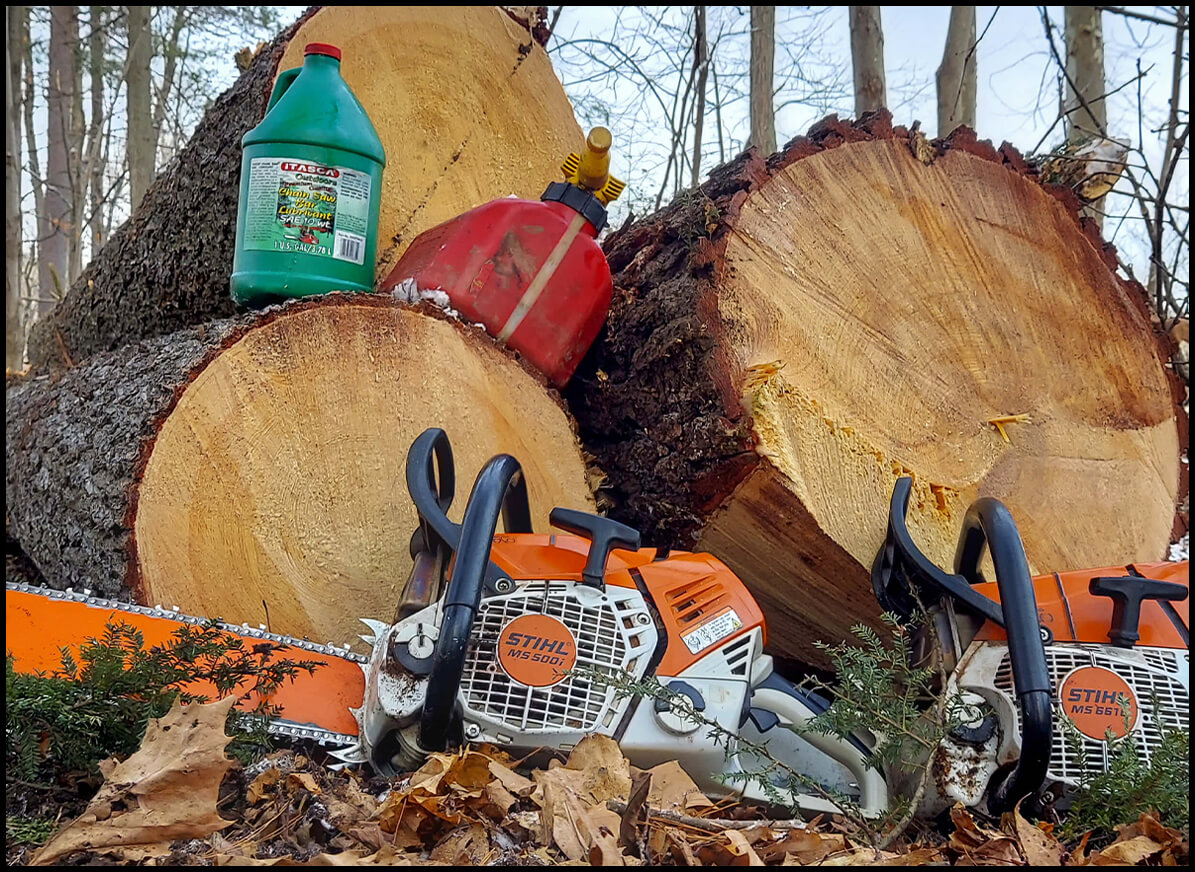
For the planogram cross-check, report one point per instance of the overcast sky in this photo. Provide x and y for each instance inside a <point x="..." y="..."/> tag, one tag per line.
<point x="1017" y="77"/>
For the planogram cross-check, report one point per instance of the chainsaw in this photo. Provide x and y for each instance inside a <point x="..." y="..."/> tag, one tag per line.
<point x="521" y="639"/>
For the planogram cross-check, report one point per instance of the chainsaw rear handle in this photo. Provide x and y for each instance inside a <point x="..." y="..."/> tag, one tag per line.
<point x="431" y="482"/>
<point x="499" y="489"/>
<point x="901" y="569"/>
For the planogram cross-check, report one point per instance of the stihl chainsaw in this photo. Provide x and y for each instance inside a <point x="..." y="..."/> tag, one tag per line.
<point x="505" y="638"/>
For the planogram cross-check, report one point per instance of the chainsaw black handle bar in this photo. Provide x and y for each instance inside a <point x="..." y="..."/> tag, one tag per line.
<point x="989" y="524"/>
<point x="431" y="482"/>
<point x="499" y="484"/>
<point x="900" y="569"/>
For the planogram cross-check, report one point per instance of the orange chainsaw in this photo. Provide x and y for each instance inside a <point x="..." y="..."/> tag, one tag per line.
<point x="506" y="637"/>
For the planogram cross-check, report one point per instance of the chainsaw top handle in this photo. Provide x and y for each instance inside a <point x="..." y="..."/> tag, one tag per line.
<point x="498" y="490"/>
<point x="901" y="575"/>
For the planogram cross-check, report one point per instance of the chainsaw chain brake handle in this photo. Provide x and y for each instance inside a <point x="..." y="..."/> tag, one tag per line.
<point x="900" y="570"/>
<point x="603" y="535"/>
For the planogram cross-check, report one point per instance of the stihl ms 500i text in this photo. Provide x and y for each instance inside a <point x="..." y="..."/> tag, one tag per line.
<point x="505" y="637"/>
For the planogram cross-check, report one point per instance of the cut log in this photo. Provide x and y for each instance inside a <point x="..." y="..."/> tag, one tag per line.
<point x="468" y="109"/>
<point x="789" y="339"/>
<point x="253" y="468"/>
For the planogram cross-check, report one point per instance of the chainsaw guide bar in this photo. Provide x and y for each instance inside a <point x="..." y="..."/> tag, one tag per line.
<point x="42" y="623"/>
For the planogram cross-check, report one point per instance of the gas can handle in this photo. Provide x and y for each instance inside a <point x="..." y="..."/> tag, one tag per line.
<point x="285" y="79"/>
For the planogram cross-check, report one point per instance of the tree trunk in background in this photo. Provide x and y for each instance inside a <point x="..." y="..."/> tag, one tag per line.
<point x="463" y="122"/>
<point x="1086" y="112"/>
<point x="781" y="348"/>
<point x="14" y="329"/>
<point x="867" y="58"/>
<point x="253" y="468"/>
<point x="96" y="153"/>
<point x="33" y="165"/>
<point x="76" y="160"/>
<point x="956" y="75"/>
<point x="702" y="68"/>
<point x="140" y="119"/>
<point x="763" y="61"/>
<point x="54" y="252"/>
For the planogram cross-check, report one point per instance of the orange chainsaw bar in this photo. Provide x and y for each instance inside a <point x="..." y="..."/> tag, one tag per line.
<point x="38" y="624"/>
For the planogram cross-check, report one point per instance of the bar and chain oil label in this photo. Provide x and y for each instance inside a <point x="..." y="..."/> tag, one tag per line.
<point x="306" y="207"/>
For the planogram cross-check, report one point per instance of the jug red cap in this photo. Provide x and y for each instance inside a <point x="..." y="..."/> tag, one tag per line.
<point x="322" y="48"/>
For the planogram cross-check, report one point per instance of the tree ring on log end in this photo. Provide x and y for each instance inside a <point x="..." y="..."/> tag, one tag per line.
<point x="278" y="476"/>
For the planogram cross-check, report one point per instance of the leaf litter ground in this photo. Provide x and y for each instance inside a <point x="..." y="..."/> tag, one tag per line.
<point x="180" y="800"/>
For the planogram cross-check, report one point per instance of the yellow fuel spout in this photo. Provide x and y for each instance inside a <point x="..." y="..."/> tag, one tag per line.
<point x="591" y="168"/>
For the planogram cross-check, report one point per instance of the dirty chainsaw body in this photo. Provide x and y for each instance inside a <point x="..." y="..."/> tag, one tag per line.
<point x="524" y="640"/>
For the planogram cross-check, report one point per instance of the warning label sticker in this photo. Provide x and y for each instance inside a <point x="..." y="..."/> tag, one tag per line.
<point x="715" y="630"/>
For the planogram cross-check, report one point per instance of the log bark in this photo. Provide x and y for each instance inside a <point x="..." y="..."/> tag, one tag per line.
<point x="466" y="104"/>
<point x="253" y="468"/>
<point x="792" y="337"/>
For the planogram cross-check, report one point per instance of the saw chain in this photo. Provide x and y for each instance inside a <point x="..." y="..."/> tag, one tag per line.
<point x="40" y="623"/>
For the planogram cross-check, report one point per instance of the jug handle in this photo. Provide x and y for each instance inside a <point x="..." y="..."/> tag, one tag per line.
<point x="285" y="79"/>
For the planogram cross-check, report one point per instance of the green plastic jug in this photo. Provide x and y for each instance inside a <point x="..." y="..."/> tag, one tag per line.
<point x="311" y="184"/>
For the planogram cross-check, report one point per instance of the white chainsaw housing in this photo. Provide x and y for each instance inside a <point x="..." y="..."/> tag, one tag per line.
<point x="615" y="634"/>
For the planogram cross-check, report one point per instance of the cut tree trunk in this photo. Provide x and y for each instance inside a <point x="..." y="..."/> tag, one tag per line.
<point x="253" y="468"/>
<point x="789" y="339"/>
<point x="467" y="107"/>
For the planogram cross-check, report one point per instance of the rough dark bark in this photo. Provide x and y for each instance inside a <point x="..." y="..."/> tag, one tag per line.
<point x="260" y="459"/>
<point x="161" y="271"/>
<point x="72" y="443"/>
<point x="666" y="407"/>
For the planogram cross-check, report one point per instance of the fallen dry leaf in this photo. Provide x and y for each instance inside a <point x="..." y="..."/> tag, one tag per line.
<point x="1039" y="847"/>
<point x="466" y="846"/>
<point x="511" y="780"/>
<point x="806" y="847"/>
<point x="257" y="789"/>
<point x="634" y="818"/>
<point x="304" y="781"/>
<point x="1130" y="851"/>
<point x="1148" y="825"/>
<point x="739" y="850"/>
<point x="169" y="787"/>
<point x="384" y="857"/>
<point x="680" y="848"/>
<point x="673" y="789"/>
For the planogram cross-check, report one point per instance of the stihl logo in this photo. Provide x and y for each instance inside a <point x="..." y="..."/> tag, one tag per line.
<point x="313" y="169"/>
<point x="536" y="650"/>
<point x="537" y="643"/>
<point x="1088" y="694"/>
<point x="1098" y="702"/>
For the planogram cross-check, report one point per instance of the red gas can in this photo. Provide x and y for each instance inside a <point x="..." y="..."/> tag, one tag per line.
<point x="531" y="272"/>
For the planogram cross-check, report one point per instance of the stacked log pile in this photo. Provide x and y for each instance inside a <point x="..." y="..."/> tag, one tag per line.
<point x="785" y="341"/>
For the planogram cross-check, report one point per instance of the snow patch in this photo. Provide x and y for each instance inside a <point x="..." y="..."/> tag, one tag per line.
<point x="1181" y="550"/>
<point x="409" y="292"/>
